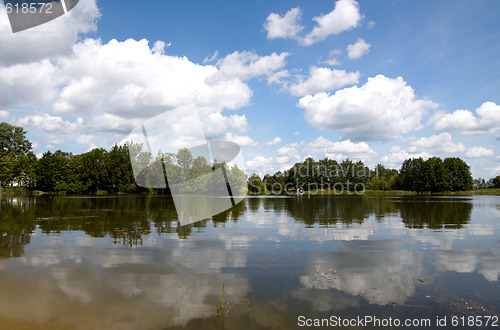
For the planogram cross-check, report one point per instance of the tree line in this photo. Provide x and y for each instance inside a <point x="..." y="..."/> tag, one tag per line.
<point x="416" y="174"/>
<point x="102" y="171"/>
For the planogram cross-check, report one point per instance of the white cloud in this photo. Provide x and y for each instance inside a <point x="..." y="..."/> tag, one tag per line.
<point x="85" y="139"/>
<point x="48" y="123"/>
<point x="464" y="121"/>
<point x="131" y="80"/>
<point x="282" y="160"/>
<point x="286" y="26"/>
<point x="371" y="24"/>
<point x="479" y="152"/>
<point x="246" y="65"/>
<point x="35" y="145"/>
<point x="324" y="79"/>
<point x="51" y="39"/>
<point x="381" y="109"/>
<point x="241" y="140"/>
<point x="29" y="83"/>
<point x="112" y="86"/>
<point x="261" y="164"/>
<point x="333" y="58"/>
<point x="54" y="140"/>
<point x="332" y="61"/>
<point x="4" y="114"/>
<point x="277" y="77"/>
<point x="110" y="123"/>
<point x="344" y="17"/>
<point x="396" y="159"/>
<point x="289" y="149"/>
<point x="216" y="124"/>
<point x="273" y="142"/>
<point x="211" y="59"/>
<point x="436" y="143"/>
<point x="395" y="149"/>
<point x="358" y="49"/>
<point x="340" y="150"/>
<point x="288" y="155"/>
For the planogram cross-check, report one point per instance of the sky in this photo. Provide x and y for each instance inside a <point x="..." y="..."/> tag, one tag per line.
<point x="377" y="81"/>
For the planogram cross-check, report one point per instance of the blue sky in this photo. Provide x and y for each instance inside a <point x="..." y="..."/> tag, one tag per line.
<point x="378" y="81"/>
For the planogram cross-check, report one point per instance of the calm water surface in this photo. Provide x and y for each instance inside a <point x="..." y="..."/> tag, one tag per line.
<point x="123" y="263"/>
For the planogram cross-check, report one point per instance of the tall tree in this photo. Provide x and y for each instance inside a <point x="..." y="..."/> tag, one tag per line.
<point x="435" y="176"/>
<point x="53" y="171"/>
<point x="6" y="170"/>
<point x="459" y="174"/>
<point x="13" y="141"/>
<point x="25" y="170"/>
<point x="411" y="172"/>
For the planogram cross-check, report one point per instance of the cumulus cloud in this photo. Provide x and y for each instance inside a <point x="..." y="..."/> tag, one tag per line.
<point x="110" y="123"/>
<point x="246" y="65"/>
<point x="323" y="79"/>
<point x="54" y="140"/>
<point x="261" y="164"/>
<point x="333" y="58"/>
<point x="131" y="80"/>
<point x="464" y="121"/>
<point x="286" y="26"/>
<point x="47" y="123"/>
<point x="216" y="124"/>
<point x="288" y="155"/>
<point x="479" y="152"/>
<point x="241" y="140"/>
<point x="344" y="17"/>
<point x="381" y="109"/>
<point x="340" y="150"/>
<point x="436" y="143"/>
<point x="396" y="159"/>
<point x="113" y="86"/>
<point x="358" y="49"/>
<point x="85" y="139"/>
<point x="52" y="39"/>
<point x="273" y="142"/>
<point x="29" y="83"/>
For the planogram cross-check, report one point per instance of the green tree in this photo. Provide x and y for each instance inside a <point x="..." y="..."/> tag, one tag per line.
<point x="6" y="170"/>
<point x="460" y="177"/>
<point x="25" y="170"/>
<point x="383" y="178"/>
<point x="435" y="176"/>
<point x="496" y="181"/>
<point x="255" y="185"/>
<point x="412" y="177"/>
<point x="13" y="141"/>
<point x="95" y="175"/>
<point x="53" y="171"/>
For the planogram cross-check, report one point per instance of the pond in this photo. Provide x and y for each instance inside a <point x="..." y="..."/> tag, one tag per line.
<point x="123" y="262"/>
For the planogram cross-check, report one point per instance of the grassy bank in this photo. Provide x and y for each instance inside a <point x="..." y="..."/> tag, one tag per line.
<point x="19" y="191"/>
<point x="485" y="191"/>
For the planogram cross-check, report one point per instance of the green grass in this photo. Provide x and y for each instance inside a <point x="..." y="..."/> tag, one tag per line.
<point x="16" y="191"/>
<point x="484" y="191"/>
